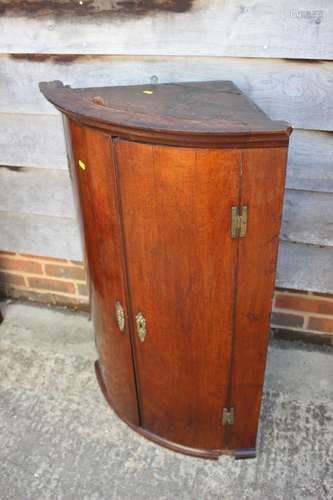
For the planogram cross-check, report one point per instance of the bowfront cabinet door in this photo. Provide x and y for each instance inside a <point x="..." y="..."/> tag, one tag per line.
<point x="176" y="209"/>
<point x="93" y="177"/>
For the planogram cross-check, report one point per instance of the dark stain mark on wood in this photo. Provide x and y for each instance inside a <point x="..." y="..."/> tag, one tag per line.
<point x="100" y="8"/>
<point x="302" y="61"/>
<point x="55" y="58"/>
<point x="12" y="169"/>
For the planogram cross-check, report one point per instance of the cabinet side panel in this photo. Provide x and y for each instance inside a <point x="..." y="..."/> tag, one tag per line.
<point x="182" y="261"/>
<point x="93" y="179"/>
<point x="262" y="187"/>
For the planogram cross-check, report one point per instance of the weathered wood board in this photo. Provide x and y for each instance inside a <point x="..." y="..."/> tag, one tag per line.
<point x="259" y="28"/>
<point x="308" y="218"/>
<point x="32" y="140"/>
<point x="36" y="204"/>
<point x="36" y="191"/>
<point x="38" y="141"/>
<point x="305" y="267"/>
<point x="310" y="161"/>
<point x="40" y="235"/>
<point x="297" y="91"/>
<point x="302" y="267"/>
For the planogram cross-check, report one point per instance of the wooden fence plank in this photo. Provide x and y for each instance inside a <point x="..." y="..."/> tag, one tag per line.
<point x="302" y="267"/>
<point x="310" y="161"/>
<point x="32" y="140"/>
<point x="308" y="218"/>
<point x="36" y="191"/>
<point x="305" y="267"/>
<point x="40" y="235"/>
<point x="38" y="141"/>
<point x="255" y="28"/>
<point x="297" y="91"/>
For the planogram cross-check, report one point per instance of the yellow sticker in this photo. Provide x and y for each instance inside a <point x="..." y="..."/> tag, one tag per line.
<point x="82" y="165"/>
<point x="149" y="92"/>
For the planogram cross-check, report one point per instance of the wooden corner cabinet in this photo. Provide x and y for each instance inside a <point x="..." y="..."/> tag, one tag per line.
<point x="179" y="188"/>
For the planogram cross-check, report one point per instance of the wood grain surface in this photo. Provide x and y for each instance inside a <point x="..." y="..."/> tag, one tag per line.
<point x="207" y="114"/>
<point x="250" y="28"/>
<point x="95" y="190"/>
<point x="297" y="91"/>
<point x="262" y="182"/>
<point x="176" y="208"/>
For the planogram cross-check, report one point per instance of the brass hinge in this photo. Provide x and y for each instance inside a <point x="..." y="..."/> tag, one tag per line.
<point x="238" y="221"/>
<point x="228" y="416"/>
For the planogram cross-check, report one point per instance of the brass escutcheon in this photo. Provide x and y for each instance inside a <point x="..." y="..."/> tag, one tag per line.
<point x="141" y="326"/>
<point x="120" y="315"/>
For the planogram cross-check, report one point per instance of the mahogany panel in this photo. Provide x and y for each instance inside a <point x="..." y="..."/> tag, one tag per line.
<point x="176" y="205"/>
<point x="262" y="184"/>
<point x="195" y="452"/>
<point x="93" y="177"/>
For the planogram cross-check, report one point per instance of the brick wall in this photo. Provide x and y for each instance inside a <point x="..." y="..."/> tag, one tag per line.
<point x="303" y="315"/>
<point x="42" y="279"/>
<point x="296" y="315"/>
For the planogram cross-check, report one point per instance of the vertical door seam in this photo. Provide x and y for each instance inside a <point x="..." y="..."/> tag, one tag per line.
<point x="130" y="317"/>
<point x="228" y="429"/>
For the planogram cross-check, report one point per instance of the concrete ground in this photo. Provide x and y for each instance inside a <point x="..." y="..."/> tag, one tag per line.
<point x="60" y="440"/>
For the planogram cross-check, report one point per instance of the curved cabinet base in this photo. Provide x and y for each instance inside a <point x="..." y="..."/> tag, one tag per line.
<point x="195" y="452"/>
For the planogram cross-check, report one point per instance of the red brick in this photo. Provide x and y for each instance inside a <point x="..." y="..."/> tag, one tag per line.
<point x="285" y="319"/>
<point x="82" y="289"/>
<point x="304" y="304"/>
<point x="26" y="266"/>
<point x="13" y="279"/>
<point x="70" y="272"/>
<point x="321" y="324"/>
<point x="42" y="257"/>
<point x="53" y="285"/>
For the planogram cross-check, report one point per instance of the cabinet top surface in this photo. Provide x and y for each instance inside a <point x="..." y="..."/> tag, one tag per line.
<point x="214" y="108"/>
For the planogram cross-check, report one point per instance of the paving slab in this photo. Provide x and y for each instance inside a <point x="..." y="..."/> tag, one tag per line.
<point x="60" y="440"/>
